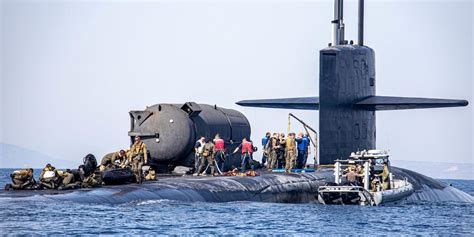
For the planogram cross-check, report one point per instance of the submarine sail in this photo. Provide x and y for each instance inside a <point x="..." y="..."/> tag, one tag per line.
<point x="347" y="101"/>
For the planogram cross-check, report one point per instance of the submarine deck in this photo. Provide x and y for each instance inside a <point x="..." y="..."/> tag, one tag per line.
<point x="268" y="187"/>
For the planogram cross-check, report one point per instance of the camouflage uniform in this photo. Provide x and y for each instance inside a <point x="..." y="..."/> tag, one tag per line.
<point x="22" y="179"/>
<point x="110" y="161"/>
<point x="384" y="184"/>
<point x="90" y="182"/>
<point x="272" y="148"/>
<point x="208" y="153"/>
<point x="138" y="156"/>
<point x="67" y="180"/>
<point x="290" y="153"/>
<point x="106" y="162"/>
<point x="118" y="159"/>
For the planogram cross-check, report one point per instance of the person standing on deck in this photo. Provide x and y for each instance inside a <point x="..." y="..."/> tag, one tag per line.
<point x="272" y="148"/>
<point x="198" y="153"/>
<point x="138" y="157"/>
<point x="208" y="152"/>
<point x="220" y="152"/>
<point x="290" y="155"/>
<point x="265" y="152"/>
<point x="281" y="151"/>
<point x="303" y="143"/>
<point x="247" y="149"/>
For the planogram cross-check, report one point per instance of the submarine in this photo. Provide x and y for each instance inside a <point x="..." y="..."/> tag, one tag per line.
<point x="347" y="106"/>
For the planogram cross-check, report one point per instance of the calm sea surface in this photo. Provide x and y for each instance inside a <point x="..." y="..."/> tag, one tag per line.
<point x="41" y="215"/>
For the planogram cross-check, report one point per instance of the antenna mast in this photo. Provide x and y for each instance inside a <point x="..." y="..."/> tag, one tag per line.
<point x="360" y="40"/>
<point x="338" y="23"/>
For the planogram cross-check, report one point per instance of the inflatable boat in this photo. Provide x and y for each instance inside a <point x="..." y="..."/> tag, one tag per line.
<point x="372" y="169"/>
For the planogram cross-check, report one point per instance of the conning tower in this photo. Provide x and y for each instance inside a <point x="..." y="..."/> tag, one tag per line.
<point x="347" y="100"/>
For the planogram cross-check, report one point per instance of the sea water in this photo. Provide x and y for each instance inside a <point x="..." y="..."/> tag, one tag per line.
<point x="42" y="215"/>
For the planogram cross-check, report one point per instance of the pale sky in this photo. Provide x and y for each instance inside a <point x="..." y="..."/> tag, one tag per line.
<point x="71" y="70"/>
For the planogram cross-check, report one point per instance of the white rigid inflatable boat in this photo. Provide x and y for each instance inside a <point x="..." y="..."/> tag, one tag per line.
<point x="372" y="169"/>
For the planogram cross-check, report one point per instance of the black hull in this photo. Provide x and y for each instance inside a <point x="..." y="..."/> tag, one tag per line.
<point x="269" y="187"/>
<point x="117" y="176"/>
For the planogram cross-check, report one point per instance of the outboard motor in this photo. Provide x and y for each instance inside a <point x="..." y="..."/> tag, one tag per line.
<point x="86" y="169"/>
<point x="90" y="164"/>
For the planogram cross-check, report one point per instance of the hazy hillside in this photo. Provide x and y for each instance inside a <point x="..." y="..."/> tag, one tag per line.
<point x="12" y="156"/>
<point x="438" y="170"/>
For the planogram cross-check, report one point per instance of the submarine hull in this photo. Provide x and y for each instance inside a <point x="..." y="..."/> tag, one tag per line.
<point x="269" y="187"/>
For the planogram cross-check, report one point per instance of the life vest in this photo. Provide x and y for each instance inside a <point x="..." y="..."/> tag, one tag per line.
<point x="49" y="174"/>
<point x="219" y="144"/>
<point x="247" y="147"/>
